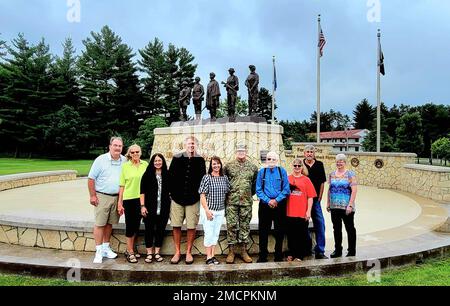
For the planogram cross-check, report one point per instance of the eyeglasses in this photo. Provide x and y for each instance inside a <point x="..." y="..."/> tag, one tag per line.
<point x="270" y="159"/>
<point x="116" y="162"/>
<point x="134" y="152"/>
<point x="298" y="166"/>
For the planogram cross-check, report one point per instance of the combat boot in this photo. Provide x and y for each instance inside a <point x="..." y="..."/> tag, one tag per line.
<point x="244" y="255"/>
<point x="231" y="255"/>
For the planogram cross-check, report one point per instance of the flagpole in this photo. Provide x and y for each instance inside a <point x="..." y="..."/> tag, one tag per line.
<point x="318" y="80"/>
<point x="378" y="92"/>
<point x="273" y="92"/>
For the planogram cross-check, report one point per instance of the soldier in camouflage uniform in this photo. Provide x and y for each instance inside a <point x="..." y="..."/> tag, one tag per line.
<point x="242" y="175"/>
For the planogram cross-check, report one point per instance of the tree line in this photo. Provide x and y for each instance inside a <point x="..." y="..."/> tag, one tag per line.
<point x="404" y="128"/>
<point x="71" y="104"/>
<point x="53" y="105"/>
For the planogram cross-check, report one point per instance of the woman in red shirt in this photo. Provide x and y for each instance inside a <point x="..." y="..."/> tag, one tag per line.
<point x="298" y="210"/>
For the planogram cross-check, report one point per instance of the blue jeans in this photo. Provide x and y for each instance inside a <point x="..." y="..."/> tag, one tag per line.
<point x="319" y="227"/>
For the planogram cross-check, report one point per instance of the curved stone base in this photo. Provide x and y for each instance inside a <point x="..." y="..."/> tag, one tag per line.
<point x="63" y="264"/>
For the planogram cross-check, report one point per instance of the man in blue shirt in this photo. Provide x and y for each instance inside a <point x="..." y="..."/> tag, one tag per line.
<point x="103" y="185"/>
<point x="272" y="189"/>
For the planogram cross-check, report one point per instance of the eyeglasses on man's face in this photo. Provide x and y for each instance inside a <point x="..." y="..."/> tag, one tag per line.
<point x="271" y="159"/>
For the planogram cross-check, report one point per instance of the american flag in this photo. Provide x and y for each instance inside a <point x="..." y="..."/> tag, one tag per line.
<point x="322" y="42"/>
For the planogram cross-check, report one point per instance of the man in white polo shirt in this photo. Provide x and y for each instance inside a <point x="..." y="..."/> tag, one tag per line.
<point x="103" y="184"/>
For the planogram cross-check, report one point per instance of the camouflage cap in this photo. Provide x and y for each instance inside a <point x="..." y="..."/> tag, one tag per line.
<point x="241" y="147"/>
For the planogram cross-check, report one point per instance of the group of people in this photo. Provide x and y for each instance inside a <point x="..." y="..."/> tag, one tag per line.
<point x="213" y="95"/>
<point x="187" y="193"/>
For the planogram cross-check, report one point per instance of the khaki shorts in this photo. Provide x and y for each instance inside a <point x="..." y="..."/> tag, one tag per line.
<point x="106" y="210"/>
<point x="179" y="212"/>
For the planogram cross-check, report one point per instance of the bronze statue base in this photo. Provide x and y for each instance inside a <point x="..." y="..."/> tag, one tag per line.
<point x="254" y="119"/>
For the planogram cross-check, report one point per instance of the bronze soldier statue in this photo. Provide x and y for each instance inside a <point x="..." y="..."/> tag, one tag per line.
<point x="212" y="96"/>
<point x="232" y="87"/>
<point x="252" y="83"/>
<point x="184" y="100"/>
<point x="197" y="97"/>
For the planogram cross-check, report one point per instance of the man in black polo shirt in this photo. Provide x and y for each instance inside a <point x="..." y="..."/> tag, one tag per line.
<point x="318" y="178"/>
<point x="186" y="172"/>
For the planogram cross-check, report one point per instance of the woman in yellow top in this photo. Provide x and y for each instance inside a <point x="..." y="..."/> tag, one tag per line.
<point x="129" y="197"/>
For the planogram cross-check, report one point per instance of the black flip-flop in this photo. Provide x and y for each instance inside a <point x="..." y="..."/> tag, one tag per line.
<point x="188" y="262"/>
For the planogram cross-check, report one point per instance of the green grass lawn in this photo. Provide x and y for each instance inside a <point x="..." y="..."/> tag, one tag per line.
<point x="431" y="273"/>
<point x="436" y="162"/>
<point x="21" y="165"/>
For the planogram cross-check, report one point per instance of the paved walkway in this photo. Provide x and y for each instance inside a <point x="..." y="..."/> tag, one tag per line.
<point x="394" y="228"/>
<point x="61" y="264"/>
<point x="382" y="215"/>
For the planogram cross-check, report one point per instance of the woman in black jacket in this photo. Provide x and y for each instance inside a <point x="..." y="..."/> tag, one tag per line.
<point x="155" y="205"/>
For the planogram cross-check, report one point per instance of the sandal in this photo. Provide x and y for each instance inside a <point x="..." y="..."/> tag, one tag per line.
<point x="158" y="257"/>
<point x="149" y="258"/>
<point x="175" y="259"/>
<point x="131" y="258"/>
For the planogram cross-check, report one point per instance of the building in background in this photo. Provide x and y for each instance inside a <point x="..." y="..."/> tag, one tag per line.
<point x="345" y="141"/>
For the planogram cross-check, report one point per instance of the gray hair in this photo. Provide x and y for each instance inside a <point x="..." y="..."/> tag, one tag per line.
<point x="341" y="157"/>
<point x="191" y="138"/>
<point x="309" y="147"/>
<point x="115" y="138"/>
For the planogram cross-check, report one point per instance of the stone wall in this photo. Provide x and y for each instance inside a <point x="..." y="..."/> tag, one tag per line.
<point x="386" y="170"/>
<point x="431" y="182"/>
<point x="27" y="179"/>
<point x="83" y="241"/>
<point x="221" y="140"/>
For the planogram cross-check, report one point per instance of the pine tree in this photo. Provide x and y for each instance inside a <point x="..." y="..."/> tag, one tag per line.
<point x="436" y="123"/>
<point x="363" y="115"/>
<point x="386" y="143"/>
<point x="152" y="65"/>
<point x="27" y="100"/>
<point x="66" y="133"/>
<point x="241" y="108"/>
<point x="65" y="77"/>
<point x="3" y="48"/>
<point x="145" y="135"/>
<point x="110" y="93"/>
<point x="265" y="104"/>
<point x="409" y="134"/>
<point x="295" y="131"/>
<point x="165" y="72"/>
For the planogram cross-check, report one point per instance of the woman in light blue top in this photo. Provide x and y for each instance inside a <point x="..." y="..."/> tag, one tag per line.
<point x="341" y="204"/>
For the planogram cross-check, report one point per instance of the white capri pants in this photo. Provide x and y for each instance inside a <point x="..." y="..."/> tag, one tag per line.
<point x="211" y="228"/>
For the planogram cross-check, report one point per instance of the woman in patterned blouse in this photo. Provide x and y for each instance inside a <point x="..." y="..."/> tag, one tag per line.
<point x="155" y="205"/>
<point x="213" y="192"/>
<point x="341" y="204"/>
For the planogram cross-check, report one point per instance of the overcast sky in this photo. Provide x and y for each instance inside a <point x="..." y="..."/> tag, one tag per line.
<point x="236" y="33"/>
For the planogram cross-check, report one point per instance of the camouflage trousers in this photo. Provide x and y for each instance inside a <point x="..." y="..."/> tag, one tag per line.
<point x="238" y="223"/>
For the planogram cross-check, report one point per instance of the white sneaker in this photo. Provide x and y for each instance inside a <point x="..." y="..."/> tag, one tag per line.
<point x="108" y="253"/>
<point x="98" y="257"/>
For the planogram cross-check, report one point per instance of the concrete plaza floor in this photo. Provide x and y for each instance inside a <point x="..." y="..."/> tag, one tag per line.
<point x="394" y="228"/>
<point x="382" y="215"/>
